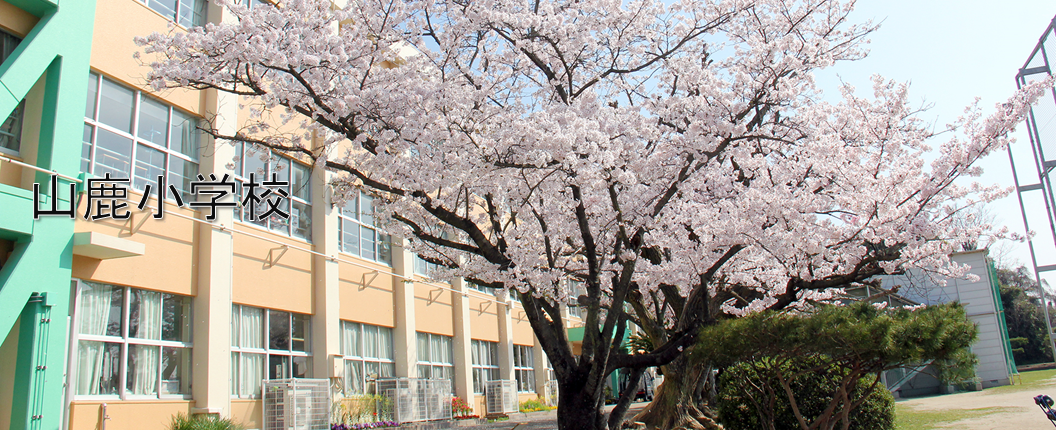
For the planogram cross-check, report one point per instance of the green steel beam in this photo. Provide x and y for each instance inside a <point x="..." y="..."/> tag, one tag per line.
<point x="35" y="282"/>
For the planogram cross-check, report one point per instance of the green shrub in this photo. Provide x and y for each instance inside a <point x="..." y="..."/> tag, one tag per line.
<point x="203" y="422"/>
<point x="812" y="390"/>
<point x="533" y="405"/>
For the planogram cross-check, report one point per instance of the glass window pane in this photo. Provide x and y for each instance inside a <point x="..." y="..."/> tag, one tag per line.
<point x="115" y="106"/>
<point x="166" y="8"/>
<point x="192" y="13"/>
<point x="278" y="330"/>
<point x="234" y="374"/>
<point x="142" y="376"/>
<point x="353" y="377"/>
<point x="252" y="373"/>
<point x="300" y="185"/>
<point x="350" y="236"/>
<point x="367" y="243"/>
<point x="99" y="309"/>
<point x="252" y="327"/>
<point x="278" y="367"/>
<point x="93" y="92"/>
<point x="301" y="220"/>
<point x="185" y="135"/>
<point x="11" y="129"/>
<point x="181" y="174"/>
<point x="235" y="320"/>
<point x="176" y="318"/>
<point x="366" y="209"/>
<point x="301" y="367"/>
<point x="424" y="371"/>
<point x="150" y="163"/>
<point x="385" y="343"/>
<point x="86" y="149"/>
<point x="144" y="314"/>
<point x="385" y="248"/>
<point x="153" y="121"/>
<point x="301" y="332"/>
<point x="98" y="367"/>
<point x="350" y="339"/>
<point x="423" y="347"/>
<point x="113" y="155"/>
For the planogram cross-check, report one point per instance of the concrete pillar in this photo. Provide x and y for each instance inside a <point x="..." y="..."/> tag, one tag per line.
<point x="211" y="372"/>
<point x="404" y="335"/>
<point x="539" y="366"/>
<point x="326" y="319"/>
<point x="505" y="315"/>
<point x="463" y="343"/>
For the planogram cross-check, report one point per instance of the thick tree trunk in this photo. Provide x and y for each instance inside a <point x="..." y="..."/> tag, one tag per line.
<point x="579" y="409"/>
<point x="673" y="405"/>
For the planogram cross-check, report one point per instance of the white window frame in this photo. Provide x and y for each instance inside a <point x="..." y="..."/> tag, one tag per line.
<point x="484" y="349"/>
<point x="353" y="213"/>
<point x="433" y="361"/>
<point x="274" y="164"/>
<point x="362" y="358"/>
<point x="524" y="364"/>
<point x="238" y="351"/>
<point x="137" y="96"/>
<point x="125" y="341"/>
<point x="175" y="18"/>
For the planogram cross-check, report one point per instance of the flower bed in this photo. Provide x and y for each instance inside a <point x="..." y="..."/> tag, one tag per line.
<point x="359" y="426"/>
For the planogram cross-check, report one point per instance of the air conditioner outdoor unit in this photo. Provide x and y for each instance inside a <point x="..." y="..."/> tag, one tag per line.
<point x="500" y="396"/>
<point x="297" y="404"/>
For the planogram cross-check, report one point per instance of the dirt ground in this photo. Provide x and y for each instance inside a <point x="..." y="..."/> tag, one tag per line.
<point x="1010" y="408"/>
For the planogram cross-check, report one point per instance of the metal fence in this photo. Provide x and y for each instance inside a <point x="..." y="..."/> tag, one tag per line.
<point x="297" y="404"/>
<point x="500" y="396"/>
<point x="550" y="393"/>
<point x="417" y="399"/>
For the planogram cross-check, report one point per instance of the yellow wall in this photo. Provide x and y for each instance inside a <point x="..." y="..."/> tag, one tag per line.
<point x="432" y="310"/>
<point x="285" y="285"/>
<point x="365" y="296"/>
<point x="522" y="329"/>
<point x="132" y="414"/>
<point x="8" y="355"/>
<point x="117" y="23"/>
<point x="170" y="260"/>
<point x="14" y="20"/>
<point x="483" y="320"/>
<point x="248" y="412"/>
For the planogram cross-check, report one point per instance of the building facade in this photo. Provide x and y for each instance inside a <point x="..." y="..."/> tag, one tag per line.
<point x="148" y="317"/>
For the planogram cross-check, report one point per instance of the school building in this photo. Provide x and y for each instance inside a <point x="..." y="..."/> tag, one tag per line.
<point x="123" y="322"/>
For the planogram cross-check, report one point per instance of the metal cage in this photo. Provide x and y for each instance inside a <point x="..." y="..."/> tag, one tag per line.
<point x="297" y="404"/>
<point x="550" y="391"/>
<point x="417" y="399"/>
<point x="500" y="396"/>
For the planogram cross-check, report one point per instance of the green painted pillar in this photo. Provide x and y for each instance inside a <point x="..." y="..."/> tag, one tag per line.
<point x="35" y="282"/>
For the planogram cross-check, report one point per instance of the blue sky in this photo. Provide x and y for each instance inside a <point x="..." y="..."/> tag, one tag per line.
<point x="951" y="52"/>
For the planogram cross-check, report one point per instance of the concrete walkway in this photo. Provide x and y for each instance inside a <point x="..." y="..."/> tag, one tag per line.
<point x="543" y="420"/>
<point x="1009" y="407"/>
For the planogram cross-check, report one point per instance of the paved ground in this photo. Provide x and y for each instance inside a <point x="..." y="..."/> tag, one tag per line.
<point x="518" y="421"/>
<point x="1010" y="408"/>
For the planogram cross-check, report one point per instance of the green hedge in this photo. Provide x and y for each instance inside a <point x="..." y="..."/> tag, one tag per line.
<point x="813" y="391"/>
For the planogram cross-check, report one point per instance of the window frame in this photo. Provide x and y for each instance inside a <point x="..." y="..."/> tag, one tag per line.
<point x="524" y="362"/>
<point x="126" y="341"/>
<point x="480" y="369"/>
<point x="432" y="363"/>
<point x="382" y="245"/>
<point x="363" y="358"/>
<point x="271" y="165"/>
<point x="90" y="165"/>
<point x="266" y="351"/>
<point x="175" y="17"/>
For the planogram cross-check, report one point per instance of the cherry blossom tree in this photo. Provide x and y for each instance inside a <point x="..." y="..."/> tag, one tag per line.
<point x="654" y="162"/>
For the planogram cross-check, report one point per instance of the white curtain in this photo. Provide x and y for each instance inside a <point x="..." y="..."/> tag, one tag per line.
<point x="353" y="377"/>
<point x="143" y="360"/>
<point x="350" y="339"/>
<point x="93" y="314"/>
<point x="385" y="343"/>
<point x="370" y="341"/>
<point x="252" y="327"/>
<point x="252" y="373"/>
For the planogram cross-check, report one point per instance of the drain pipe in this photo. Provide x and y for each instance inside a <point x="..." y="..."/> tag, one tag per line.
<point x="105" y="416"/>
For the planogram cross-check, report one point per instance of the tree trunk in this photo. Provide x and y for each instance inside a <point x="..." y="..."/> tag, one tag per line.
<point x="673" y="405"/>
<point x="578" y="408"/>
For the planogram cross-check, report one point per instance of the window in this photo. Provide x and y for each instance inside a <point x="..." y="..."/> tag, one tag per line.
<point x="263" y="163"/>
<point x="423" y="267"/>
<point x="435" y="360"/>
<point x="131" y="135"/>
<point x="188" y="13"/>
<point x="359" y="237"/>
<point x="524" y="368"/>
<point x="477" y="287"/>
<point x="550" y="376"/>
<point x="368" y="351"/>
<point x="267" y="344"/>
<point x="485" y="364"/>
<point x="11" y="128"/>
<point x="132" y="343"/>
